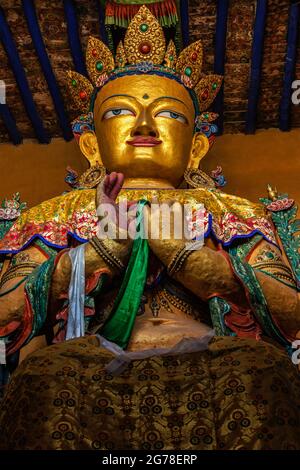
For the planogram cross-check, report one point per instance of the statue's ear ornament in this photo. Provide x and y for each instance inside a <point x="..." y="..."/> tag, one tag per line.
<point x="196" y="178"/>
<point x="92" y="176"/>
<point x="88" y="180"/>
<point x="83" y="123"/>
<point x="204" y="124"/>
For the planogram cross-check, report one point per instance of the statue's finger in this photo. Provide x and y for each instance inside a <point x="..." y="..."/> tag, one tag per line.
<point x="111" y="182"/>
<point x="118" y="183"/>
<point x="101" y="190"/>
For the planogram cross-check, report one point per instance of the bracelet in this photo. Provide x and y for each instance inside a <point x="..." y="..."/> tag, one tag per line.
<point x="11" y="289"/>
<point x="272" y="265"/>
<point x="276" y="270"/>
<point x="8" y="277"/>
<point x="20" y="270"/>
<point x="181" y="256"/>
<point x="103" y="251"/>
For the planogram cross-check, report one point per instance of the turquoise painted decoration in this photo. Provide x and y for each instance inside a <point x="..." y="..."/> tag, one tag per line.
<point x="284" y="212"/>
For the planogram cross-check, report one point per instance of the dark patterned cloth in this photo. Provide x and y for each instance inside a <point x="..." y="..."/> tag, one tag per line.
<point x="239" y="394"/>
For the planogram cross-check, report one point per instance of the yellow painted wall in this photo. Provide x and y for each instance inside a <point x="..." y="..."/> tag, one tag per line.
<point x="249" y="163"/>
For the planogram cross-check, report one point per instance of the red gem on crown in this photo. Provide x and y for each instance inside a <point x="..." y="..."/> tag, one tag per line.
<point x="83" y="95"/>
<point x="204" y="94"/>
<point x="145" y="48"/>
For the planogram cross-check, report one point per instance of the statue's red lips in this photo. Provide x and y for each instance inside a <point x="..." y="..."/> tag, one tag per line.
<point x="144" y="141"/>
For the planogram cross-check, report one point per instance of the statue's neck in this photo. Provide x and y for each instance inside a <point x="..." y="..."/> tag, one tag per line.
<point x="147" y="183"/>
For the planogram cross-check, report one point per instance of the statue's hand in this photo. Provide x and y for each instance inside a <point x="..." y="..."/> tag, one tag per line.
<point x="116" y="236"/>
<point x="109" y="188"/>
<point x="161" y="236"/>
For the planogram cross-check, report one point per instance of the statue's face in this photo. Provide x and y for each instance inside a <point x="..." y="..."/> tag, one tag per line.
<point x="144" y="126"/>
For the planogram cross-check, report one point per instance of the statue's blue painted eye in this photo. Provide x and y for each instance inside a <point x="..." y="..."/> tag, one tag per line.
<point x="117" y="112"/>
<point x="172" y="115"/>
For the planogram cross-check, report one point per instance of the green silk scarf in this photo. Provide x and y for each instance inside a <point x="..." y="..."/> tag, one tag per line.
<point x="119" y="325"/>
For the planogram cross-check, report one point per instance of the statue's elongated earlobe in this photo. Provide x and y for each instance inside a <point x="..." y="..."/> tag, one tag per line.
<point x="90" y="149"/>
<point x="200" y="147"/>
<point x="193" y="176"/>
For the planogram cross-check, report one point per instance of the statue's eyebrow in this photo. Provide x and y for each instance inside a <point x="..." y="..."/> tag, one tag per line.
<point x="114" y="96"/>
<point x="170" y="98"/>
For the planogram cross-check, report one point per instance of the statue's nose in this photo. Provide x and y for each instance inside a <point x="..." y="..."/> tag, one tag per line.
<point x="145" y="126"/>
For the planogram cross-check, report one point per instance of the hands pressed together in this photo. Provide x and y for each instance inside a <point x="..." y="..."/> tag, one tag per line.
<point x="160" y="237"/>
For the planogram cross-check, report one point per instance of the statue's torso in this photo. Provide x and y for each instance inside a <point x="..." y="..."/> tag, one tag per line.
<point x="165" y="330"/>
<point x="75" y="214"/>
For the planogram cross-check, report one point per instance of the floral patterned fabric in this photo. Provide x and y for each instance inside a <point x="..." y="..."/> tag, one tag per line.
<point x="74" y="215"/>
<point x="239" y="394"/>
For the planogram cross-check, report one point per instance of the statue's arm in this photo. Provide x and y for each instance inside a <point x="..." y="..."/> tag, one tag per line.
<point x="12" y="287"/>
<point x="94" y="263"/>
<point x="209" y="273"/>
<point x="13" y="301"/>
<point x="278" y="285"/>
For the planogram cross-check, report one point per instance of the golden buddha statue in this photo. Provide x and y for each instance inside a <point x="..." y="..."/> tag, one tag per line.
<point x="203" y="332"/>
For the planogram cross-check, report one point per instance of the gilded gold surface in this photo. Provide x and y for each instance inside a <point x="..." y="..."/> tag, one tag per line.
<point x="61" y="208"/>
<point x="153" y="37"/>
<point x="120" y="59"/>
<point x="127" y="110"/>
<point x="207" y="89"/>
<point x="143" y="117"/>
<point x="98" y="53"/>
<point x="171" y="55"/>
<point x="145" y="44"/>
<point x="185" y="60"/>
<point x="76" y="84"/>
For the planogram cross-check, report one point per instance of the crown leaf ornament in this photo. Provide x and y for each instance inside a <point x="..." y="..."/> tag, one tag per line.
<point x="144" y="50"/>
<point x="99" y="59"/>
<point x="80" y="90"/>
<point x="144" y="39"/>
<point x="207" y="89"/>
<point x="121" y="59"/>
<point x="189" y="62"/>
<point x="170" y="55"/>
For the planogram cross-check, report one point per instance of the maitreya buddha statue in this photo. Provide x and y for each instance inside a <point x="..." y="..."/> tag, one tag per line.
<point x="150" y="345"/>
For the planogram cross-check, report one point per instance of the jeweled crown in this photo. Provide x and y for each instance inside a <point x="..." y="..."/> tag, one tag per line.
<point x="144" y="50"/>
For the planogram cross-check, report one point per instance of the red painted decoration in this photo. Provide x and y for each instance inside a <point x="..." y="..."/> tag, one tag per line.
<point x="83" y="95"/>
<point x="204" y="95"/>
<point x="145" y="48"/>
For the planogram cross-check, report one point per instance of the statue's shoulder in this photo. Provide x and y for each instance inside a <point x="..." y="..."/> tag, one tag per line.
<point x="61" y="208"/>
<point x="220" y="203"/>
<point x="232" y="217"/>
<point x="54" y="221"/>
